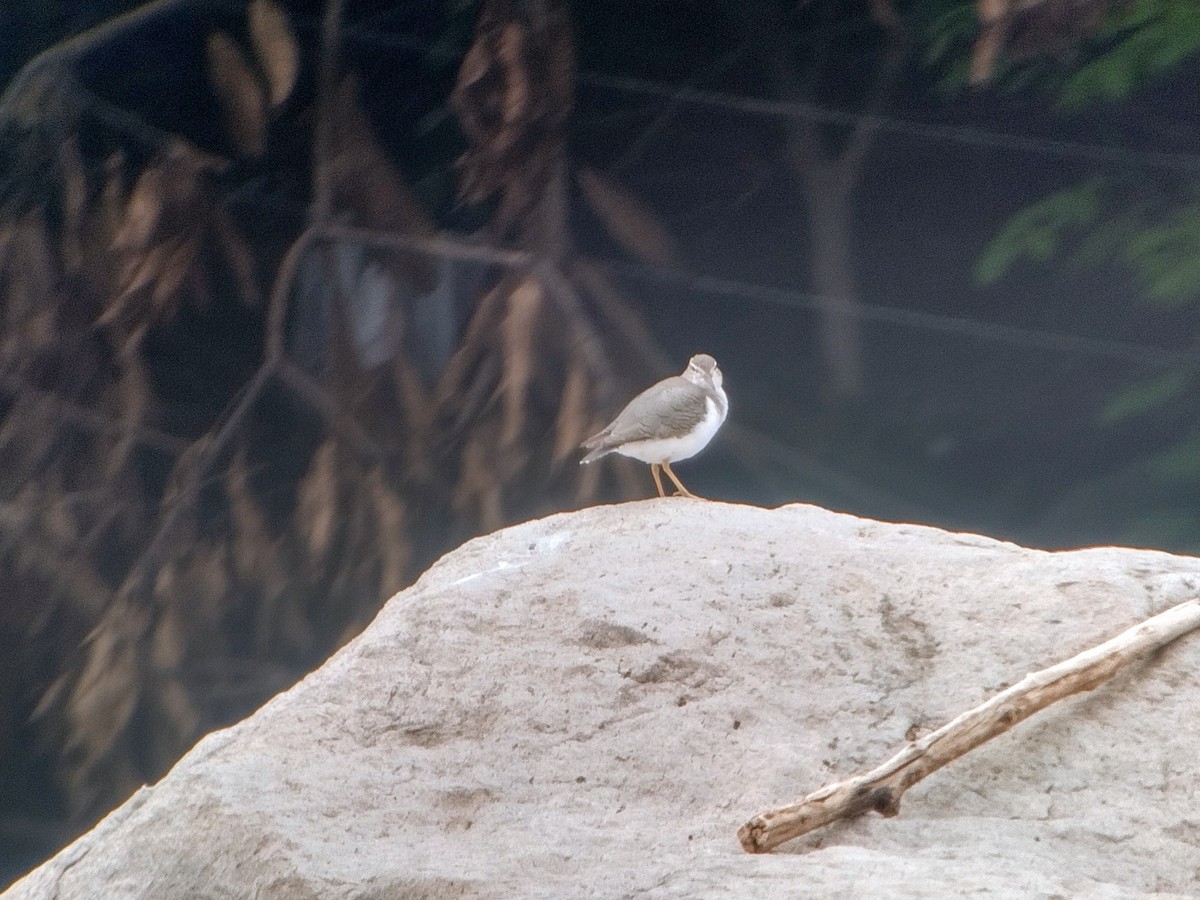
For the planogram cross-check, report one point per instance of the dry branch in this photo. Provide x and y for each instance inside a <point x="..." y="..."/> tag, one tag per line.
<point x="442" y="245"/>
<point x="331" y="37"/>
<point x="880" y="789"/>
<point x="84" y="417"/>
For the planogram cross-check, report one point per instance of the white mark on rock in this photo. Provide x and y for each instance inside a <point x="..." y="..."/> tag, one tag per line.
<point x="551" y="541"/>
<point x="499" y="567"/>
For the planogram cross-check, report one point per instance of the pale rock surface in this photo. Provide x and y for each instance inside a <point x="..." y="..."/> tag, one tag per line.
<point x="591" y="704"/>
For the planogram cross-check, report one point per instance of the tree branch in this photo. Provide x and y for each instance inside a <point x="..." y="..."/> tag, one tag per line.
<point x="50" y="63"/>
<point x="98" y="422"/>
<point x="331" y="36"/>
<point x="880" y="789"/>
<point x="887" y="73"/>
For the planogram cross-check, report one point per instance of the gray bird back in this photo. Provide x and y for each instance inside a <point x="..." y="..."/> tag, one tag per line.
<point x="672" y="407"/>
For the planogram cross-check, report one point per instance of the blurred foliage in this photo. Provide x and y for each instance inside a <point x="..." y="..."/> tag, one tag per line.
<point x="1040" y="231"/>
<point x="1093" y="51"/>
<point x="1136" y="42"/>
<point x="1141" y="397"/>
<point x="1167" y="256"/>
<point x="228" y="434"/>
<point x="1101" y="221"/>
<point x="1149" y="228"/>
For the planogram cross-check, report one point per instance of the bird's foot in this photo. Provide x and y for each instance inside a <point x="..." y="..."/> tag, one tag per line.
<point x="682" y="492"/>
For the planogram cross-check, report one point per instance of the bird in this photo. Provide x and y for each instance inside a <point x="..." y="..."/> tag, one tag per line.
<point x="670" y="421"/>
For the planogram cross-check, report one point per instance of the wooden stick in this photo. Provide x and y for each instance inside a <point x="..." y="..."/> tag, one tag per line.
<point x="880" y="789"/>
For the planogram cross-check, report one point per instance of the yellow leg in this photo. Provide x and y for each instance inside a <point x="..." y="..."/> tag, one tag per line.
<point x="684" y="492"/>
<point x="657" y="479"/>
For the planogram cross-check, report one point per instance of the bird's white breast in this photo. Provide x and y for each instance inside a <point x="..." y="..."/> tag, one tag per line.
<point x="675" y="449"/>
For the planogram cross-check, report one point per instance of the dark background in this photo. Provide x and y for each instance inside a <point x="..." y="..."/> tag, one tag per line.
<point x="985" y="414"/>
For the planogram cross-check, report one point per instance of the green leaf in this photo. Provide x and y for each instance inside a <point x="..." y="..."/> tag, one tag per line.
<point x="1167" y="257"/>
<point x="1038" y="231"/>
<point x="951" y="33"/>
<point x="1179" y="463"/>
<point x="1133" y="45"/>
<point x="1173" y="528"/>
<point x="1145" y="396"/>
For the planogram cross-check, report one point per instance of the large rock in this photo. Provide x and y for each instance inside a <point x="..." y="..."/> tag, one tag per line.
<point x="591" y="704"/>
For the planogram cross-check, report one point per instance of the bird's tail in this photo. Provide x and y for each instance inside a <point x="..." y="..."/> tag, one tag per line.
<point x="596" y="454"/>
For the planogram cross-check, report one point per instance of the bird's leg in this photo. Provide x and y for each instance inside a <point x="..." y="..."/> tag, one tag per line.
<point x="657" y="479"/>
<point x="683" y="492"/>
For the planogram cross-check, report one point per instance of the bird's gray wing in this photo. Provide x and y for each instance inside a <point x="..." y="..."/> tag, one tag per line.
<point x="671" y="407"/>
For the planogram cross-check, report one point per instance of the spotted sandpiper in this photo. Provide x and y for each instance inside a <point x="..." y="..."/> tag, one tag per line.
<point x="669" y="421"/>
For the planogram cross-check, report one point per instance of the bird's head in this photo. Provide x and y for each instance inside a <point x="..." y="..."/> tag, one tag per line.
<point x="702" y="369"/>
